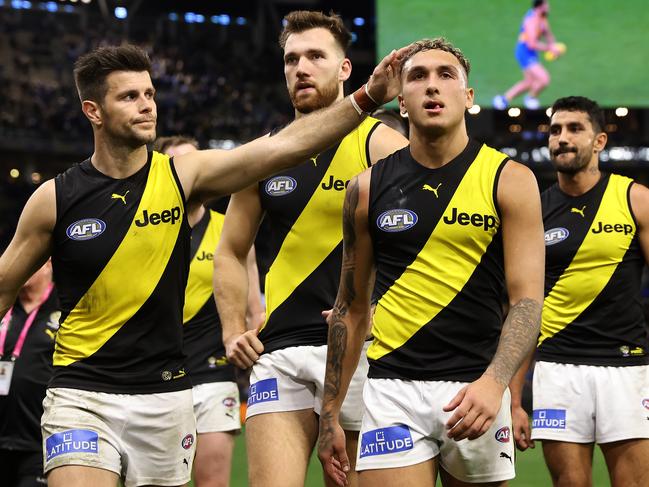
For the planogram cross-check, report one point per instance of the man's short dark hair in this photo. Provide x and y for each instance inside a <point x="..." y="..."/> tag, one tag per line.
<point x="581" y="104"/>
<point x="301" y="20"/>
<point x="538" y="3"/>
<point x="162" y="144"/>
<point x="92" y="69"/>
<point x="441" y="44"/>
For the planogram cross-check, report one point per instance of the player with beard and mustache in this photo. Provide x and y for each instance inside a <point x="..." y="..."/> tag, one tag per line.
<point x="591" y="378"/>
<point x="303" y="208"/>
<point x="119" y="403"/>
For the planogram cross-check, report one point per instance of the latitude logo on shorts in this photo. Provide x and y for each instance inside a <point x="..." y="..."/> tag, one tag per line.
<point x="86" y="229"/>
<point x="549" y="418"/>
<point x="280" y="185"/>
<point x="397" y="220"/>
<point x="263" y="391"/>
<point x="502" y="435"/>
<point x="384" y="441"/>
<point x="71" y="441"/>
<point x="556" y="235"/>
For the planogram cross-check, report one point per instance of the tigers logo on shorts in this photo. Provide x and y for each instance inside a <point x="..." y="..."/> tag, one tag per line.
<point x="645" y="403"/>
<point x="187" y="442"/>
<point x="502" y="435"/>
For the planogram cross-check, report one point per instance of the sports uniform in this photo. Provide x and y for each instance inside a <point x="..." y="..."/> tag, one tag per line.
<point x="120" y="398"/>
<point x="591" y="380"/>
<point x="215" y="392"/>
<point x="439" y="288"/>
<point x="304" y="208"/>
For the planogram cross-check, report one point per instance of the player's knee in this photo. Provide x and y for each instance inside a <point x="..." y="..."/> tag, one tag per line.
<point x="570" y="478"/>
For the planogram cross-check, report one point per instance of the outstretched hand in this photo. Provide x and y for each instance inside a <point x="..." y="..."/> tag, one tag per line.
<point x="385" y="83"/>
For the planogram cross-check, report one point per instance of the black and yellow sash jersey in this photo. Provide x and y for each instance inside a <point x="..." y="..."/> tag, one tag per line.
<point x="203" y="343"/>
<point x="121" y="259"/>
<point x="592" y="313"/>
<point x="304" y="208"/>
<point x="439" y="266"/>
<point x="21" y="410"/>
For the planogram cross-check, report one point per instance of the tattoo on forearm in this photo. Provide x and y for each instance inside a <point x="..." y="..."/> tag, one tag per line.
<point x="337" y="342"/>
<point x="518" y="336"/>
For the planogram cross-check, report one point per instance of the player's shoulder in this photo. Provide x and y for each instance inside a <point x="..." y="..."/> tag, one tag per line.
<point x="639" y="202"/>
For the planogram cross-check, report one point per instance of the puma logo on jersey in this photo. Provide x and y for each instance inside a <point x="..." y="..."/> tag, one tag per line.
<point x="609" y="228"/>
<point x="166" y="216"/>
<point x="116" y="196"/>
<point x="335" y="184"/>
<point x="428" y="187"/>
<point x="577" y="210"/>
<point x="487" y="222"/>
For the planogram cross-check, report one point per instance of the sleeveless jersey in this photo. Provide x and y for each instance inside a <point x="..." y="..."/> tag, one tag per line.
<point x="203" y="343"/>
<point x="439" y="266"/>
<point x="592" y="313"/>
<point x="303" y="206"/>
<point x="121" y="258"/>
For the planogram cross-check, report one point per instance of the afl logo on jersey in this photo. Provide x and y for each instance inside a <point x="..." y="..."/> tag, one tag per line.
<point x="86" y="229"/>
<point x="396" y="220"/>
<point x="280" y="185"/>
<point x="556" y="235"/>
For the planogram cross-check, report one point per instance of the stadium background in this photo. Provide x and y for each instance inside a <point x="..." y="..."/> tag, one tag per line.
<point x="219" y="77"/>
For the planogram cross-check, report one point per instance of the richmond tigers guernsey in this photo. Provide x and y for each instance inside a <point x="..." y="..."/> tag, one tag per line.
<point x="304" y="209"/>
<point x="203" y="344"/>
<point x="439" y="266"/>
<point x="592" y="313"/>
<point x="120" y="258"/>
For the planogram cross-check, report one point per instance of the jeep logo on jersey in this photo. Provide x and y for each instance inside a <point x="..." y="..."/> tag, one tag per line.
<point x="487" y="222"/>
<point x="384" y="441"/>
<point x="280" y="185"/>
<point x="335" y="184"/>
<point x="626" y="229"/>
<point x="502" y="435"/>
<point x="86" y="229"/>
<point x="396" y="220"/>
<point x="556" y="235"/>
<point x="166" y="216"/>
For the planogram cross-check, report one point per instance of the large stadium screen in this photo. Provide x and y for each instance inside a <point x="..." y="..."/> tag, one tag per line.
<point x="607" y="44"/>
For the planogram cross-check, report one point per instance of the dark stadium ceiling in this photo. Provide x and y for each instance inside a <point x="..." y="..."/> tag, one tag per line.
<point x="243" y="7"/>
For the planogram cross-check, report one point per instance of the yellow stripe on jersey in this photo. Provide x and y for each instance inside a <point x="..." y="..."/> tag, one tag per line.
<point x="445" y="263"/>
<point x="318" y="229"/>
<point x="588" y="273"/>
<point x="201" y="269"/>
<point x="132" y="273"/>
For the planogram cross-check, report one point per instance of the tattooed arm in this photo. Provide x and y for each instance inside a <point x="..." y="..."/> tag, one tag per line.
<point x="347" y="325"/>
<point x="476" y="406"/>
